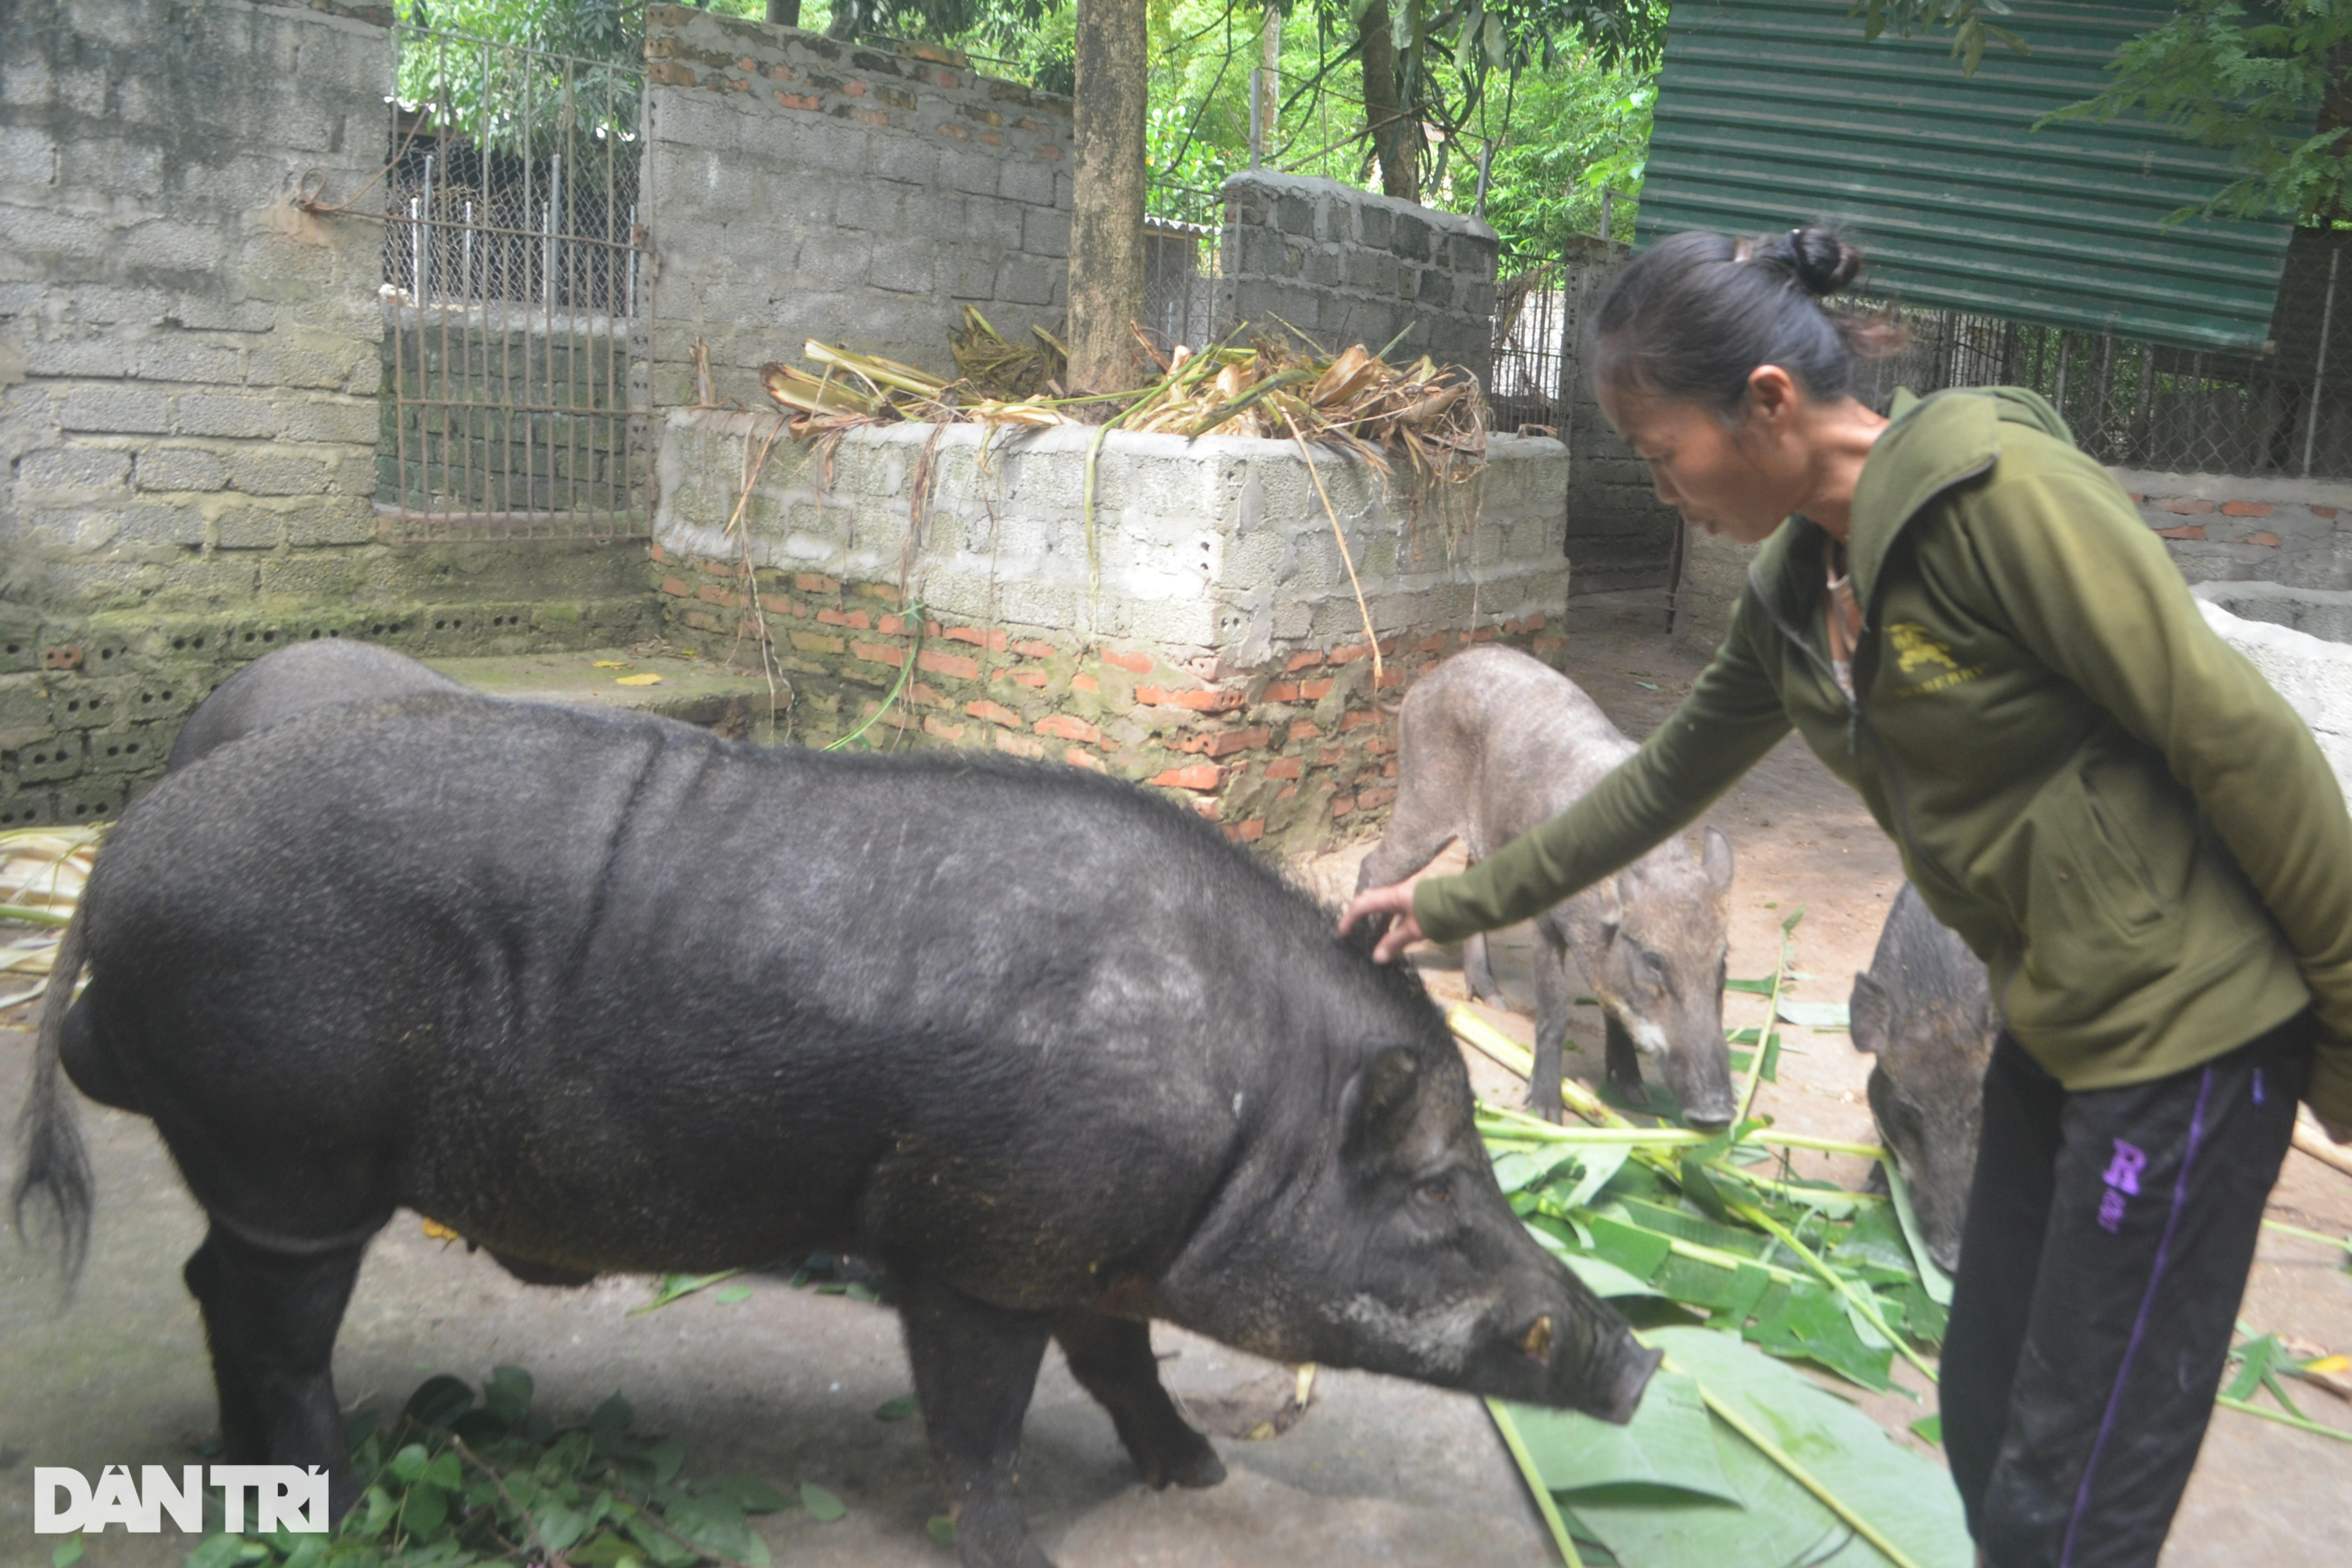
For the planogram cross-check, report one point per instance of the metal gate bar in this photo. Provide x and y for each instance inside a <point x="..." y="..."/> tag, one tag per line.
<point x="515" y="293"/>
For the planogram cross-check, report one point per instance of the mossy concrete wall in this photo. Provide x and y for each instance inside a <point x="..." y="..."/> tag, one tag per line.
<point x="189" y="378"/>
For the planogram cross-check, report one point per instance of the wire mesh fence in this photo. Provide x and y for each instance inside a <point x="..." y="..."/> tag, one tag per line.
<point x="1182" y="234"/>
<point x="2132" y="404"/>
<point x="515" y="284"/>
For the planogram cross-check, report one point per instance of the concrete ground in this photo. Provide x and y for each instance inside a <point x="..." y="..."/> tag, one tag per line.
<point x="785" y="1384"/>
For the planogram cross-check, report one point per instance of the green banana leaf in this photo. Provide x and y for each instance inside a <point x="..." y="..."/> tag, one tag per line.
<point x="1669" y="1443"/>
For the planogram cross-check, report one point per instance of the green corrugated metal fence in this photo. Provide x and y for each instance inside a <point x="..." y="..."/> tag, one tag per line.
<point x="1773" y="112"/>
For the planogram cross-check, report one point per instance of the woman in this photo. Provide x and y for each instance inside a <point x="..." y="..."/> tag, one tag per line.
<point x="1969" y="622"/>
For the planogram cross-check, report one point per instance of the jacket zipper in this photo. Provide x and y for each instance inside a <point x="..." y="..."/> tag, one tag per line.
<point x="1856" y="724"/>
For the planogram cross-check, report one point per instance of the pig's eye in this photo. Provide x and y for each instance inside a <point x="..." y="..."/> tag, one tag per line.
<point x="1437" y="1192"/>
<point x="1655" y="967"/>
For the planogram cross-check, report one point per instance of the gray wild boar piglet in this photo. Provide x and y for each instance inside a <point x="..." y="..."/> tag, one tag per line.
<point x="276" y="687"/>
<point x="1492" y="743"/>
<point x="1924" y="1010"/>
<point x="602" y="992"/>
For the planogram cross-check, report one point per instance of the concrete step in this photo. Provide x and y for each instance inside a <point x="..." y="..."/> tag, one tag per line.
<point x="695" y="690"/>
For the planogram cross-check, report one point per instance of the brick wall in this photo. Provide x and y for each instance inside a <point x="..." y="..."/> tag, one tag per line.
<point x="1211" y="646"/>
<point x="2218" y="527"/>
<point x="804" y="188"/>
<point x="1346" y="266"/>
<point x="2227" y="528"/>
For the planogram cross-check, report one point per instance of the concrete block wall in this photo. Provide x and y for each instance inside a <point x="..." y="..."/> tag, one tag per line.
<point x="806" y="188"/>
<point x="188" y="362"/>
<point x="1346" y="266"/>
<point x="1207" y="642"/>
<point x="189" y="372"/>
<point x="1619" y="534"/>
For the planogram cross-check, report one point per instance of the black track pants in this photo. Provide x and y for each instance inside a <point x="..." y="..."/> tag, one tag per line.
<point x="2108" y="1237"/>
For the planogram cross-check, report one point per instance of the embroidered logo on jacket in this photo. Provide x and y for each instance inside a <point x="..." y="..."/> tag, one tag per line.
<point x="1916" y="652"/>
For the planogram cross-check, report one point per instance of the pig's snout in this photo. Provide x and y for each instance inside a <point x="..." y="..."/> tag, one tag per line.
<point x="1710" y="1118"/>
<point x="1623" y="1394"/>
<point x="1699" y="1072"/>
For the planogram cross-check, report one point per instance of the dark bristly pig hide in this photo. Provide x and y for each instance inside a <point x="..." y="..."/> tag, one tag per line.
<point x="605" y="993"/>
<point x="1926" y="1011"/>
<point x="292" y="681"/>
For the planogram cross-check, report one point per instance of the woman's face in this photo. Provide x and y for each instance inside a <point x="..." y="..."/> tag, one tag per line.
<point x="1737" y="478"/>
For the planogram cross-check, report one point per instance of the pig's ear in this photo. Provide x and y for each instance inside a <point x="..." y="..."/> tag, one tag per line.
<point x="1381" y="1100"/>
<point x="1715" y="859"/>
<point x="1870" y="1015"/>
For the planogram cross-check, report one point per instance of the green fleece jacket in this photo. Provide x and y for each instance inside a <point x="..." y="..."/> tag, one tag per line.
<point x="2107" y="802"/>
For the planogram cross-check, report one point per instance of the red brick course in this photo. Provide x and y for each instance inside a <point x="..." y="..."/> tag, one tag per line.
<point x="1282" y="754"/>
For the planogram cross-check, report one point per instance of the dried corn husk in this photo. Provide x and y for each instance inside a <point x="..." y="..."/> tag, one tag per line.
<point x="42" y="872"/>
<point x="1432" y="419"/>
<point x="1004" y="372"/>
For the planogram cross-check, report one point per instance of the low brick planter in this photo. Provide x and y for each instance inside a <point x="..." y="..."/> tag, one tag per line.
<point x="1209" y="642"/>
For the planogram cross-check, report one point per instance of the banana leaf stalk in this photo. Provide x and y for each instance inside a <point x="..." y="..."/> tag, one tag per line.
<point x="1860" y="1300"/>
<point x="1537" y="1487"/>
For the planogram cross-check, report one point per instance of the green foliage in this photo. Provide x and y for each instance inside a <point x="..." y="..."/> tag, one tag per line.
<point x="459" y="1479"/>
<point x="1577" y="129"/>
<point x="1681" y="1485"/>
<point x="1675" y="1227"/>
<point x="551" y="68"/>
<point x="2251" y="79"/>
<point x="1965" y="18"/>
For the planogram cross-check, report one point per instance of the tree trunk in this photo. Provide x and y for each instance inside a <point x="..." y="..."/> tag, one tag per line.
<point x="1394" y="140"/>
<point x="1269" y="80"/>
<point x="1107" y="196"/>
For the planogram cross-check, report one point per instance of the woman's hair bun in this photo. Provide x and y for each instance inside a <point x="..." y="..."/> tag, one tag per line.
<point x="1821" y="259"/>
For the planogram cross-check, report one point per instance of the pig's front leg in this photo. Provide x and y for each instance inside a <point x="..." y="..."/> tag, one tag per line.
<point x="1552" y="997"/>
<point x="1478" y="972"/>
<point x="1112" y="1360"/>
<point x="975" y="1367"/>
<point x="1623" y="1060"/>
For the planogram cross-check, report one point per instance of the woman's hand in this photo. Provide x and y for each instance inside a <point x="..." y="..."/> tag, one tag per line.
<point x="1395" y="901"/>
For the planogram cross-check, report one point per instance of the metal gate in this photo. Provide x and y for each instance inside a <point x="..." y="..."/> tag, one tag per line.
<point x="516" y="283"/>
<point x="1527" y="389"/>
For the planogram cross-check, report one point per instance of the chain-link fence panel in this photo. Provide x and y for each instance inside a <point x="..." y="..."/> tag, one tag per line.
<point x="2286" y="411"/>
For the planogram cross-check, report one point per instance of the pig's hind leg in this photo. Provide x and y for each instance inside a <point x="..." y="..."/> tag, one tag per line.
<point x="1624" y="1061"/>
<point x="1112" y="1360"/>
<point x="975" y="1368"/>
<point x="270" y="1320"/>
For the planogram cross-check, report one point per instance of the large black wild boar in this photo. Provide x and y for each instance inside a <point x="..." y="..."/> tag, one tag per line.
<point x="295" y="679"/>
<point x="605" y="993"/>
<point x="1491" y="743"/>
<point x="1926" y="1011"/>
